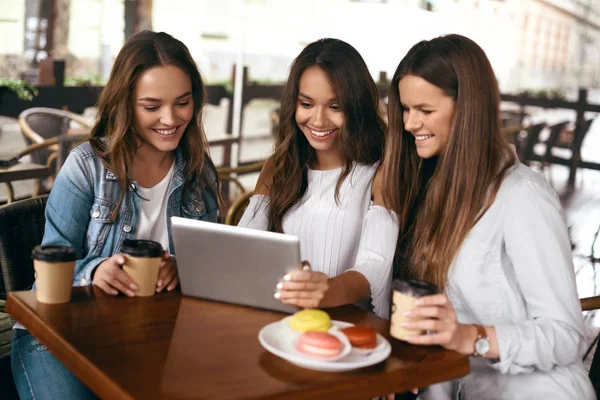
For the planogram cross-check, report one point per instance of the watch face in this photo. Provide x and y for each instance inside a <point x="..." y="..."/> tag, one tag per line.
<point x="482" y="346"/>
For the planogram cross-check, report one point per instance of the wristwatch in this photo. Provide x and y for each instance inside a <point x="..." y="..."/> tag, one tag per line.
<point x="482" y="343"/>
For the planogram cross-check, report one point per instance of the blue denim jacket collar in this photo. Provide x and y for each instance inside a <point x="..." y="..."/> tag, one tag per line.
<point x="178" y="175"/>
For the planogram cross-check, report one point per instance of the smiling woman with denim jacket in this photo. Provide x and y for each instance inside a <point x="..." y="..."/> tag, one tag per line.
<point x="147" y="161"/>
<point x="94" y="194"/>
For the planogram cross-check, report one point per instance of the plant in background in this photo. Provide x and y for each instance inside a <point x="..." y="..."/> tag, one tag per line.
<point x="557" y="94"/>
<point x="86" y="80"/>
<point x="24" y="90"/>
<point x="226" y="83"/>
<point x="551" y="94"/>
<point x="526" y="93"/>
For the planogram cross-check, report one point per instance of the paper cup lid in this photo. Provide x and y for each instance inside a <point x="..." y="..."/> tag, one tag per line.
<point x="141" y="248"/>
<point x="414" y="287"/>
<point x="52" y="253"/>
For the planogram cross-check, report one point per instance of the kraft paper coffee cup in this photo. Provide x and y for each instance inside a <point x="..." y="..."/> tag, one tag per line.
<point x="54" y="266"/>
<point x="142" y="262"/>
<point x="404" y="294"/>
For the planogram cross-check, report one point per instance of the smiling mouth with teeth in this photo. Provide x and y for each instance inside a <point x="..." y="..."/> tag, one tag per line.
<point x="321" y="133"/>
<point x="166" y="132"/>
<point x="420" y="138"/>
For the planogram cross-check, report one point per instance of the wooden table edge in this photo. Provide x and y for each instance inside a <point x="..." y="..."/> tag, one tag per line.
<point x="41" y="171"/>
<point x="458" y="371"/>
<point x="96" y="380"/>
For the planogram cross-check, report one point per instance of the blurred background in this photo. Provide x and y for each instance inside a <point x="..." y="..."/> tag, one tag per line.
<point x="56" y="55"/>
<point x="532" y="44"/>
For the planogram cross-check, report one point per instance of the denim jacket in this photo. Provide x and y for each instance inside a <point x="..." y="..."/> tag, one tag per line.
<point x="85" y="195"/>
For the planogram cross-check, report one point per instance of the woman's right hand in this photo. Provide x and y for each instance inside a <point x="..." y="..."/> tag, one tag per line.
<point x="302" y="288"/>
<point x="111" y="278"/>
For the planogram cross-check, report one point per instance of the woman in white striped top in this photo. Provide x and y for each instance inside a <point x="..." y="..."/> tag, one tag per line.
<point x="321" y="183"/>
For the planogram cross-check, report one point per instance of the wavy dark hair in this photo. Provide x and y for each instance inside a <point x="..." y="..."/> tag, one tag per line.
<point x="469" y="171"/>
<point x="114" y="136"/>
<point x="361" y="138"/>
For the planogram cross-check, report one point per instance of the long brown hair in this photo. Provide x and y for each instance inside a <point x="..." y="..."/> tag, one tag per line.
<point x="361" y="139"/>
<point x="470" y="169"/>
<point x="114" y="136"/>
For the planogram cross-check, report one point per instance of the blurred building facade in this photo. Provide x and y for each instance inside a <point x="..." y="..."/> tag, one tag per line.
<point x="559" y="40"/>
<point x="531" y="43"/>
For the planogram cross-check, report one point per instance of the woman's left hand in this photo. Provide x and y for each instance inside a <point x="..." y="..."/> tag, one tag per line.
<point x="302" y="288"/>
<point x="167" y="274"/>
<point x="435" y="313"/>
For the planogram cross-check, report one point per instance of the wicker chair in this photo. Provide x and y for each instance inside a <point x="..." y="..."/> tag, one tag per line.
<point x="229" y="175"/>
<point x="525" y="147"/>
<point x="21" y="229"/>
<point x="236" y="210"/>
<point x="40" y="124"/>
<point x="563" y="137"/>
<point x="63" y="145"/>
<point x="555" y="131"/>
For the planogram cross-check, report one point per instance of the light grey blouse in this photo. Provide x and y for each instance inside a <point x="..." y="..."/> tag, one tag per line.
<point x="515" y="272"/>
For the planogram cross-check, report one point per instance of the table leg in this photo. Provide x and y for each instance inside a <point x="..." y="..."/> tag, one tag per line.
<point x="37" y="188"/>
<point x="11" y="193"/>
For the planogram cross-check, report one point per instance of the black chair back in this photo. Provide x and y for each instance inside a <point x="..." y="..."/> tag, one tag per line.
<point x="22" y="226"/>
<point x="525" y="148"/>
<point x="594" y="372"/>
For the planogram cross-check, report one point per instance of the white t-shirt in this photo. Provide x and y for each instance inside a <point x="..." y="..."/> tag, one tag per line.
<point x="152" y="223"/>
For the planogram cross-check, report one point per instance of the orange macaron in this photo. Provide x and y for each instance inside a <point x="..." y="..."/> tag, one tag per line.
<point x="361" y="337"/>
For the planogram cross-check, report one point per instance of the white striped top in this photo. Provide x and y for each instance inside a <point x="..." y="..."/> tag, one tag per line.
<point x="354" y="235"/>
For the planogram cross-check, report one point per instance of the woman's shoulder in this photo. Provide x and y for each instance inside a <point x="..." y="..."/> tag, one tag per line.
<point x="520" y="174"/>
<point x="265" y="178"/>
<point x="366" y="167"/>
<point x="83" y="154"/>
<point x="366" y="173"/>
<point x="523" y="184"/>
<point x="84" y="150"/>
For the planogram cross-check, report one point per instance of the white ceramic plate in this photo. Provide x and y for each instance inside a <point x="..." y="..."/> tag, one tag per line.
<point x="277" y="339"/>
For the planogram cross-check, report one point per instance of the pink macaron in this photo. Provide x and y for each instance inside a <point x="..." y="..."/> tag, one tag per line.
<point x="319" y="344"/>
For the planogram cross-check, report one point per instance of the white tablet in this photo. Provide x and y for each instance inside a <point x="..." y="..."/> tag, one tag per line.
<point x="233" y="264"/>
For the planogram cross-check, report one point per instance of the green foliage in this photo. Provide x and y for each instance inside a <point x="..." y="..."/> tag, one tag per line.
<point x="526" y="93"/>
<point x="88" y="80"/>
<point x="221" y="82"/>
<point x="550" y="94"/>
<point x="556" y="94"/>
<point x="24" y="90"/>
<point x="383" y="84"/>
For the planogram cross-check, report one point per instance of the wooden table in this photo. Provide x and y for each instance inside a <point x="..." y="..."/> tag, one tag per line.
<point x="169" y="346"/>
<point x="21" y="171"/>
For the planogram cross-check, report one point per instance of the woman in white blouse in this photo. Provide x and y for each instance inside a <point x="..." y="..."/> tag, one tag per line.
<point x="320" y="184"/>
<point x="486" y="229"/>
